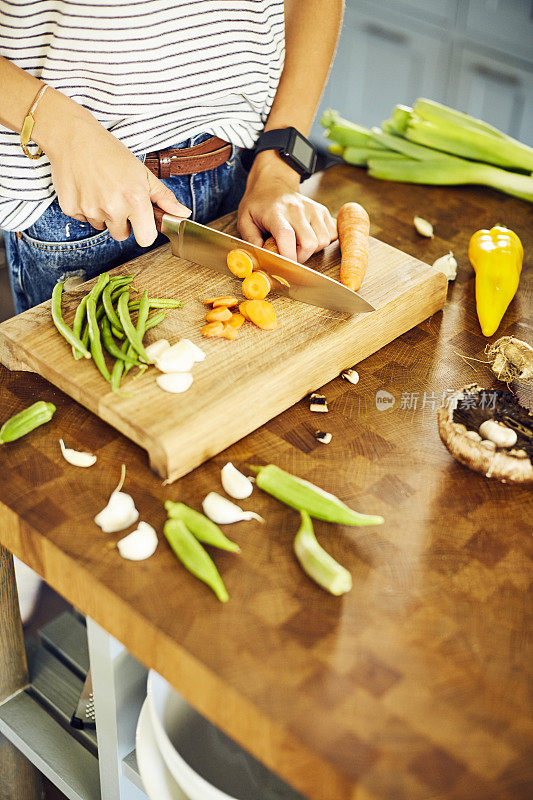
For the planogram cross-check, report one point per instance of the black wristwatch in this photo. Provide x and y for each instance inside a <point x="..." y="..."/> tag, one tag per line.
<point x="293" y="147"/>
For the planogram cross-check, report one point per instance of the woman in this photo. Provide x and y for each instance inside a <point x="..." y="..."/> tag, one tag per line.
<point x="131" y="86"/>
<point x="127" y="79"/>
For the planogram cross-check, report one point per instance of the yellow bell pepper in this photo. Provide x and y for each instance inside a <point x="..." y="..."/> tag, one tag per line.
<point x="496" y="256"/>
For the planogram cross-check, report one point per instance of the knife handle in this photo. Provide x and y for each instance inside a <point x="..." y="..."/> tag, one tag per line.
<point x="158" y="216"/>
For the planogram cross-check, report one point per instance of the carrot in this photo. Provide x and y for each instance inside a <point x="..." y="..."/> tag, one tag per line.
<point x="261" y="313"/>
<point x="353" y="226"/>
<point x="242" y="309"/>
<point x="270" y="244"/>
<point x="256" y="286"/>
<point x="240" y="263"/>
<point x="213" y="329"/>
<point x="230" y="331"/>
<point x="236" y="320"/>
<point x="221" y="301"/>
<point x="219" y="314"/>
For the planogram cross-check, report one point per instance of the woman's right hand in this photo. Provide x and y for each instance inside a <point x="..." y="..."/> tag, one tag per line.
<point x="96" y="178"/>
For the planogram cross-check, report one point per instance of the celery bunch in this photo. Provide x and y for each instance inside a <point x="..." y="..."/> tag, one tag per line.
<point x="431" y="143"/>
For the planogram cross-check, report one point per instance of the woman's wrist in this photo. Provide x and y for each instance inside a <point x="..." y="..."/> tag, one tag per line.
<point x="268" y="165"/>
<point x="56" y="118"/>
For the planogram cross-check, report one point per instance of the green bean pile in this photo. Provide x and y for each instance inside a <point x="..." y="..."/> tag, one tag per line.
<point x="103" y="322"/>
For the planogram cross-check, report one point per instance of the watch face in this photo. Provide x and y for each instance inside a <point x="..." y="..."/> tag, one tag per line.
<point x="302" y="152"/>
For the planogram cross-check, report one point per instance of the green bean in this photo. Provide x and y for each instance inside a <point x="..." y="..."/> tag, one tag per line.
<point x="304" y="496"/>
<point x="318" y="564"/>
<point x="156" y="302"/>
<point x="94" y="337"/>
<point x="117" y="334"/>
<point x="77" y="325"/>
<point x="62" y="326"/>
<point x="201" y="526"/>
<point x="111" y="347"/>
<point x="118" y="367"/>
<point x="134" y="336"/>
<point x="193" y="556"/>
<point x="154" y="320"/>
<point x="27" y="420"/>
<point x="109" y="309"/>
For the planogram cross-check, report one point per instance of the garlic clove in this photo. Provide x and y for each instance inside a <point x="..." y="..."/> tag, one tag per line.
<point x="178" y="358"/>
<point x="156" y="349"/>
<point x="119" y="513"/>
<point x="351" y="375"/>
<point x="76" y="457"/>
<point x="496" y="432"/>
<point x="224" y="512"/>
<point x="448" y="265"/>
<point x="198" y="353"/>
<point x="174" y="382"/>
<point x="139" y="544"/>
<point x="235" y="483"/>
<point x="423" y="227"/>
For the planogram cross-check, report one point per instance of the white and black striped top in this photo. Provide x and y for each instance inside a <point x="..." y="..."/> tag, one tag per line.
<point x="154" y="72"/>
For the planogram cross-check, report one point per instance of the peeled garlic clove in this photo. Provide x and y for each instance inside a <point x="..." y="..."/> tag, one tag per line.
<point x="448" y="265"/>
<point x="351" y="375"/>
<point x="235" y="483"/>
<point x="174" y="382"/>
<point x="76" y="457"/>
<point x="119" y="513"/>
<point x="501" y="435"/>
<point x="139" y="544"/>
<point x="156" y="349"/>
<point x="178" y="358"/>
<point x="224" y="512"/>
<point x="198" y="353"/>
<point x="423" y="227"/>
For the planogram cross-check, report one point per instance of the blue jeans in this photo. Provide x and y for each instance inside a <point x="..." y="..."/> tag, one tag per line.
<point x="57" y="247"/>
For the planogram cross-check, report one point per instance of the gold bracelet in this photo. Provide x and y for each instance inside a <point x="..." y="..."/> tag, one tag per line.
<point x="27" y="126"/>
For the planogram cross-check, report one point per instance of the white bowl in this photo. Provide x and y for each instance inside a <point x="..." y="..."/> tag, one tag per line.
<point x="206" y="763"/>
<point x="157" y="779"/>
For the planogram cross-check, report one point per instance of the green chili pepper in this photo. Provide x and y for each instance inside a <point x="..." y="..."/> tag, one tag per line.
<point x="94" y="337"/>
<point x="318" y="564"/>
<point x="62" y="326"/>
<point x="304" y="496"/>
<point x="193" y="556"/>
<point x="201" y="526"/>
<point x="111" y="347"/>
<point x="134" y="336"/>
<point x="26" y="421"/>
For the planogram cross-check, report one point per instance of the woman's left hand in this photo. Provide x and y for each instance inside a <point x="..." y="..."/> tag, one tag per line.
<point x="273" y="205"/>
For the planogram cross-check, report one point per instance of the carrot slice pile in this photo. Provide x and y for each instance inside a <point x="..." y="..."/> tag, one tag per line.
<point x="228" y="301"/>
<point x="241" y="263"/>
<point x="256" y="286"/>
<point x="353" y="227"/>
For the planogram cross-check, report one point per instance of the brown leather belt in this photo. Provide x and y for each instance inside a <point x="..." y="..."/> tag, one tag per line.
<point x="188" y="160"/>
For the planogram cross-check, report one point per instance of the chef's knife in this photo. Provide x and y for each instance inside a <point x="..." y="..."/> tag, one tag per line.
<point x="208" y="247"/>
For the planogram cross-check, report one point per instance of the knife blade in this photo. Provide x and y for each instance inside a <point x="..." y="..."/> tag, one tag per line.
<point x="206" y="246"/>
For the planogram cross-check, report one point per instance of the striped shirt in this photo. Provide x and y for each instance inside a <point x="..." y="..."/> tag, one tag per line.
<point x="152" y="72"/>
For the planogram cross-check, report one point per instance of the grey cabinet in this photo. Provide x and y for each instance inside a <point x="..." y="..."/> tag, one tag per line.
<point x="476" y="55"/>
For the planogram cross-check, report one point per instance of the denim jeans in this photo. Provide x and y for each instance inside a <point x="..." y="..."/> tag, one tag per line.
<point x="58" y="247"/>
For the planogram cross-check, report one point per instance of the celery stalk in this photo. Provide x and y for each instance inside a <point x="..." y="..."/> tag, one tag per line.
<point x="469" y="143"/>
<point x="359" y="156"/>
<point x="452" y="173"/>
<point x="439" y="113"/>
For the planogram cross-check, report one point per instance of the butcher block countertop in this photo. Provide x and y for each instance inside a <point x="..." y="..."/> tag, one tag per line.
<point x="415" y="684"/>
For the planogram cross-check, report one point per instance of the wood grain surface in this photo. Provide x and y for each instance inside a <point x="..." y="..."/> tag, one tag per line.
<point x="270" y="371"/>
<point x="414" y="686"/>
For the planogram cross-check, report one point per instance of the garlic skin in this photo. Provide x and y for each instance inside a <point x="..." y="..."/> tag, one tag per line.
<point x="174" y="382"/>
<point x="224" y="512"/>
<point x="448" y="265"/>
<point x="139" y="544"/>
<point x="177" y="358"/>
<point x="156" y="349"/>
<point x="235" y="483"/>
<point x="423" y="227"/>
<point x="76" y="457"/>
<point x="119" y="513"/>
<point x="198" y="353"/>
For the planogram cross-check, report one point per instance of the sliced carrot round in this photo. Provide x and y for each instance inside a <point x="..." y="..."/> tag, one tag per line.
<point x="240" y="263"/>
<point x="270" y="244"/>
<point x="219" y="314"/>
<point x="256" y="286"/>
<point x="261" y="313"/>
<point x="221" y="301"/>
<point x="236" y="320"/>
<point x="213" y="329"/>
<point x="242" y="309"/>
<point x="230" y="332"/>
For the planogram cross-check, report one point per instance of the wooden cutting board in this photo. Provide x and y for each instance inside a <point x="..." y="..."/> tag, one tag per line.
<point x="242" y="383"/>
